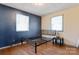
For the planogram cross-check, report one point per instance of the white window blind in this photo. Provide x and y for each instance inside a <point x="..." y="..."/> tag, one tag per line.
<point x="57" y="23"/>
<point x="22" y="22"/>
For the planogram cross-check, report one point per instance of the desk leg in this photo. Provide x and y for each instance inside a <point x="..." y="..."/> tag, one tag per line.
<point x="36" y="48"/>
<point x="46" y="44"/>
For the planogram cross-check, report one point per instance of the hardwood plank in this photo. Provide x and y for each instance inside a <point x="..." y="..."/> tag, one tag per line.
<point x="49" y="49"/>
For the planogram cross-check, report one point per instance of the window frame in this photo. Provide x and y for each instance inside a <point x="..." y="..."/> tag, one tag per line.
<point x="16" y="22"/>
<point x="62" y="24"/>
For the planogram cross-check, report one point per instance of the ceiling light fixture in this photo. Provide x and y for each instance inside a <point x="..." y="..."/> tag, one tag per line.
<point x="38" y="4"/>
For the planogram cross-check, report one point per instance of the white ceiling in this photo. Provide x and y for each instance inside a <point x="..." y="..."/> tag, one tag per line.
<point x="43" y="9"/>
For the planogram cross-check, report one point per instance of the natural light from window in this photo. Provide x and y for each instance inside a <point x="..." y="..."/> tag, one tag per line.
<point x="57" y="23"/>
<point x="22" y="22"/>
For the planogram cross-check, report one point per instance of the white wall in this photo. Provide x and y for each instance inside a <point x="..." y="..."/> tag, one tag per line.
<point x="71" y="24"/>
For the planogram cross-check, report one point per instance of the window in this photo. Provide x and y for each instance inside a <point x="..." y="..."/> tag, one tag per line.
<point x="57" y="23"/>
<point x="22" y="22"/>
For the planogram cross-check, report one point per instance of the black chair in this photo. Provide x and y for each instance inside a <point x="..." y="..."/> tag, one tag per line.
<point x="58" y="41"/>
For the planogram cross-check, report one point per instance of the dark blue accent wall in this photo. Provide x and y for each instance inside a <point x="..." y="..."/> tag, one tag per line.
<point x="8" y="32"/>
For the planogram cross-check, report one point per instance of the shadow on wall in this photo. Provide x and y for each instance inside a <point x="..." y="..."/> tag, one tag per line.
<point x="68" y="42"/>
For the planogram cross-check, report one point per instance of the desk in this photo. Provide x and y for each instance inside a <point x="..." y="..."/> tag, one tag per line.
<point x="37" y="42"/>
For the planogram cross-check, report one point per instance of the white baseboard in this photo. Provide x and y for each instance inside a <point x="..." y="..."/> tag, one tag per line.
<point x="12" y="45"/>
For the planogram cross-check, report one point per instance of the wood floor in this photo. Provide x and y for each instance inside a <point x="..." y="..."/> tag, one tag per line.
<point x="49" y="49"/>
